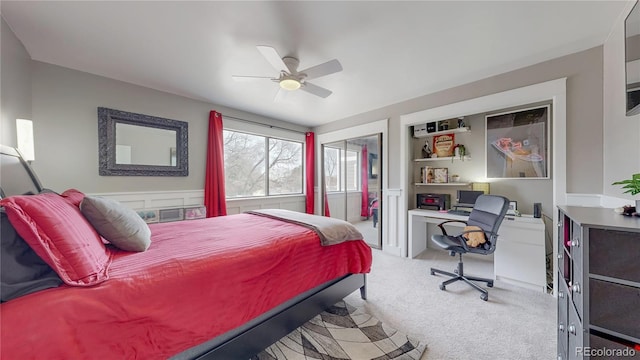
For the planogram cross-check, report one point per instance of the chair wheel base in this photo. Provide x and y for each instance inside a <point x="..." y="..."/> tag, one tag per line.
<point x="484" y="297"/>
<point x="442" y="287"/>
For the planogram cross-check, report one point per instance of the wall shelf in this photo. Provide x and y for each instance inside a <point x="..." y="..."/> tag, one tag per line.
<point x="445" y="184"/>
<point x="466" y="157"/>
<point x="450" y="131"/>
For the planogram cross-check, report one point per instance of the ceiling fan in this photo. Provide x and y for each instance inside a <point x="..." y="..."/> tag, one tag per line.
<point x="292" y="79"/>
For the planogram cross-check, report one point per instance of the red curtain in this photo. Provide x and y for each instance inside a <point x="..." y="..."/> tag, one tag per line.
<point x="310" y="144"/>
<point x="327" y="213"/>
<point x="214" y="195"/>
<point x="364" y="166"/>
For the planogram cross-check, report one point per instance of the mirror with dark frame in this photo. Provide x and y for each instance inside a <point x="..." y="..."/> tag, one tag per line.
<point x="632" y="60"/>
<point x="133" y="144"/>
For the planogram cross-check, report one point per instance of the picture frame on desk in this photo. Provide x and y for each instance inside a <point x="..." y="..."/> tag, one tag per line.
<point x="513" y="207"/>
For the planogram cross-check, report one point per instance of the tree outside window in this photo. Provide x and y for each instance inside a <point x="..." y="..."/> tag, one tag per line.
<point x="246" y="173"/>
<point x="336" y="161"/>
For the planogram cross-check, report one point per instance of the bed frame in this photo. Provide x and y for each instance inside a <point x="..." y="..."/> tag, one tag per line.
<point x="258" y="334"/>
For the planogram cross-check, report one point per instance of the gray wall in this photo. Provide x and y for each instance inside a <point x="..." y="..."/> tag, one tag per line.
<point x="65" y="119"/>
<point x="584" y="72"/>
<point x="621" y="133"/>
<point x="16" y="84"/>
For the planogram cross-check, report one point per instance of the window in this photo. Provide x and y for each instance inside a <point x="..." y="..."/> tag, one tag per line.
<point x="246" y="173"/>
<point x="337" y="161"/>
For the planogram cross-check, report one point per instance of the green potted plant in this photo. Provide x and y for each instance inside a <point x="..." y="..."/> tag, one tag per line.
<point x="459" y="151"/>
<point x="631" y="186"/>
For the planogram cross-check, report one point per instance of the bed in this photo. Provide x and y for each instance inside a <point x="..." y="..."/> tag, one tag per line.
<point x="217" y="288"/>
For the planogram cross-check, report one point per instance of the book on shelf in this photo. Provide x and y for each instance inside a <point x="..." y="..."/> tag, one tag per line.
<point x="426" y="174"/>
<point x="443" y="145"/>
<point x="440" y="175"/>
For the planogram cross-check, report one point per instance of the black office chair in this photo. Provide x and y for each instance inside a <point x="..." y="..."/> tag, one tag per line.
<point x="487" y="214"/>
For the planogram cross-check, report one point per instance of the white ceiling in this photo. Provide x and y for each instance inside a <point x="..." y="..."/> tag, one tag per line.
<point x="390" y="51"/>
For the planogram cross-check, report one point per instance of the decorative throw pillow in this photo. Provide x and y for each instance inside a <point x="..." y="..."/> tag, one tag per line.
<point x="73" y="196"/>
<point x="120" y="225"/>
<point x="474" y="239"/>
<point x="56" y="230"/>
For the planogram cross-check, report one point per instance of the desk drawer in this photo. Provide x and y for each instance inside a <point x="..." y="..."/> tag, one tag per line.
<point x="513" y="232"/>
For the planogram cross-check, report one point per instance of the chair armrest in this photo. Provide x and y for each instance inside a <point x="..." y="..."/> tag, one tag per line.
<point x="444" y="232"/>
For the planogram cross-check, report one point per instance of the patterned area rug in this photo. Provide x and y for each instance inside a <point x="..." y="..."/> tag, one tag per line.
<point x="343" y="332"/>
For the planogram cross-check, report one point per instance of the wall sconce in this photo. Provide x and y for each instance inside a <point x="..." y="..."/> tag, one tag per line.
<point x="480" y="186"/>
<point x="24" y="132"/>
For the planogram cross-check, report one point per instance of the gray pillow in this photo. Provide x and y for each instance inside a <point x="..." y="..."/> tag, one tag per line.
<point x="120" y="225"/>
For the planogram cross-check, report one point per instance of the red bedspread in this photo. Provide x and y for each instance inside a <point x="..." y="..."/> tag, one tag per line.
<point x="199" y="279"/>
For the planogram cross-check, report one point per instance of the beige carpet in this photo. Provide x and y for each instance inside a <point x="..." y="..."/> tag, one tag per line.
<point x="515" y="323"/>
<point x="344" y="332"/>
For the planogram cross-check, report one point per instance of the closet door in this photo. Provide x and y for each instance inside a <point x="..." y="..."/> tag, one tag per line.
<point x="364" y="197"/>
<point x="352" y="184"/>
<point x="335" y="195"/>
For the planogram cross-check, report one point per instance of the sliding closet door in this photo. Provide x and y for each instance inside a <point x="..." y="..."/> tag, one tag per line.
<point x="334" y="178"/>
<point x="352" y="184"/>
<point x="365" y="198"/>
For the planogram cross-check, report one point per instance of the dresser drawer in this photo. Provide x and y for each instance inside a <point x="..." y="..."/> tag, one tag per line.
<point x="563" y="317"/>
<point x="576" y="290"/>
<point x="601" y="348"/>
<point x="576" y="336"/>
<point x="576" y="245"/>
<point x="615" y="307"/>
<point x="615" y="254"/>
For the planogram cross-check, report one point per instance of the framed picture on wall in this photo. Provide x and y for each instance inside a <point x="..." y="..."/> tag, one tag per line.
<point x="517" y="144"/>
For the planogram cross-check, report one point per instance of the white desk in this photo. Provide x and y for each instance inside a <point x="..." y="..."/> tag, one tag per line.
<point x="520" y="252"/>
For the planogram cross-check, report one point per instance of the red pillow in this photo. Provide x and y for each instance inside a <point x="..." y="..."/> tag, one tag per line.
<point x="56" y="230"/>
<point x="73" y="196"/>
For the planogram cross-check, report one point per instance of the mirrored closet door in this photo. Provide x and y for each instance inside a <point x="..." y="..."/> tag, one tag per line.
<point x="352" y="184"/>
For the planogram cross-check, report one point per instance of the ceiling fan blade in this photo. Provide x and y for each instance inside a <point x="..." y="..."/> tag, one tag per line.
<point x="323" y="69"/>
<point x="272" y="57"/>
<point x="316" y="90"/>
<point x="281" y="95"/>
<point x="249" y="77"/>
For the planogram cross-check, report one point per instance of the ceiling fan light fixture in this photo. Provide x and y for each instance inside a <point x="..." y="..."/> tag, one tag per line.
<point x="290" y="84"/>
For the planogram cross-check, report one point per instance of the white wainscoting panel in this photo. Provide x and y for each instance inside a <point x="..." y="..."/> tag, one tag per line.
<point x="144" y="200"/>
<point x="393" y="238"/>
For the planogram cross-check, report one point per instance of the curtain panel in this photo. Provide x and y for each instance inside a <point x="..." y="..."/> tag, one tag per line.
<point x="214" y="194"/>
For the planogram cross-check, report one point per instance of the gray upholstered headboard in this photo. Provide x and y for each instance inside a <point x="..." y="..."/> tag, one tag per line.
<point x="16" y="176"/>
<point x="22" y="271"/>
